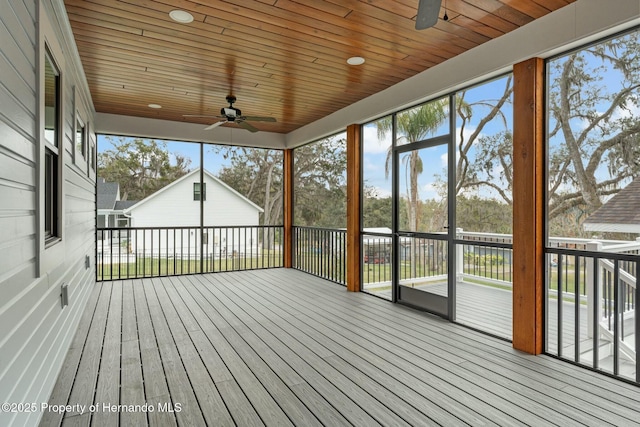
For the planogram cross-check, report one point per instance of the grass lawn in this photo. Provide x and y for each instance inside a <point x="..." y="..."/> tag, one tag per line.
<point x="152" y="267"/>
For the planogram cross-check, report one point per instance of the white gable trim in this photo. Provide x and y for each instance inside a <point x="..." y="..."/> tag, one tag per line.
<point x="611" y="227"/>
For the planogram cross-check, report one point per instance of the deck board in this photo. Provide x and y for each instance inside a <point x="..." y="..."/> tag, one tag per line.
<point x="419" y="358"/>
<point x="514" y="370"/>
<point x="66" y="378"/>
<point x="280" y="347"/>
<point x="108" y="386"/>
<point x="84" y="385"/>
<point x="384" y="363"/>
<point x="217" y="329"/>
<point x="180" y="387"/>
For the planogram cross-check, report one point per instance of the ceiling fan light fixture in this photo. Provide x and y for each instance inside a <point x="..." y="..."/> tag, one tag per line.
<point x="181" y="16"/>
<point x="156" y="106"/>
<point x="355" y="60"/>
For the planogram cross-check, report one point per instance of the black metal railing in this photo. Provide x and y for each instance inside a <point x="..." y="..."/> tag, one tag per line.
<point x="484" y="258"/>
<point x="321" y="252"/>
<point x="421" y="257"/>
<point x="126" y="253"/>
<point x="377" y="254"/>
<point x="485" y="262"/>
<point x="591" y="310"/>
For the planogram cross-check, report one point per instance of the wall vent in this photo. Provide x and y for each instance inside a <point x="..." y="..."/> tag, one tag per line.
<point x="87" y="262"/>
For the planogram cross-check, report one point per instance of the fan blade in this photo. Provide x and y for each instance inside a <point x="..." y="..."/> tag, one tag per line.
<point x="215" y="125"/>
<point x="258" y="119"/>
<point x="203" y="116"/>
<point x="247" y="126"/>
<point x="428" y="11"/>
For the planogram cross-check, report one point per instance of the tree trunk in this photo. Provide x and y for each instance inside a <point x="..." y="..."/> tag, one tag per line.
<point x="586" y="183"/>
<point x="413" y="208"/>
<point x="269" y="241"/>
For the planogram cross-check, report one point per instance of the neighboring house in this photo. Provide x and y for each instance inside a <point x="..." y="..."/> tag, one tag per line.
<point x="110" y="207"/>
<point x="620" y="214"/>
<point x="167" y="223"/>
<point x="376" y="249"/>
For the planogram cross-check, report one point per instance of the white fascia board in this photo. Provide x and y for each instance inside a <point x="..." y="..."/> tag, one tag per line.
<point x="114" y="124"/>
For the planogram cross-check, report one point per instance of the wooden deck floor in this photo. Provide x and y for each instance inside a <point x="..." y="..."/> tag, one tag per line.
<point x="280" y="347"/>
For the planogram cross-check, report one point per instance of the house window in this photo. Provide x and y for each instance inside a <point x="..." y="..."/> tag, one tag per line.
<point x="196" y="191"/>
<point x="122" y="221"/>
<point x="93" y="157"/>
<point x="81" y="140"/>
<point x="52" y="96"/>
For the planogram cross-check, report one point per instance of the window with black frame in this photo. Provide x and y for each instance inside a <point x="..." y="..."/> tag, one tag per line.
<point x="593" y="165"/>
<point x="197" y="194"/>
<point x="52" y="150"/>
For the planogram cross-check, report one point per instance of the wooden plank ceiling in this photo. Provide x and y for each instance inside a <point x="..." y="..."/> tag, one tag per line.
<point x="280" y="58"/>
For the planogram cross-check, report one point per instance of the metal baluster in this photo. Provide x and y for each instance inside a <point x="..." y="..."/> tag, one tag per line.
<point x="262" y="245"/>
<point x="596" y="314"/>
<point x="636" y="316"/>
<point x="559" y="293"/>
<point x="608" y="299"/>
<point x="576" y="304"/>
<point x="616" y="316"/>
<point x="144" y="252"/>
<point x="111" y="254"/>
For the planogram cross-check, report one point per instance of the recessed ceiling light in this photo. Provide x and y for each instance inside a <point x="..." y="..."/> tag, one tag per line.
<point x="355" y="60"/>
<point x="155" y="106"/>
<point x="181" y="16"/>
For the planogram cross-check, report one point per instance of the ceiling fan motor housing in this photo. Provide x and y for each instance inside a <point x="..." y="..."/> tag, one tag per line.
<point x="230" y="112"/>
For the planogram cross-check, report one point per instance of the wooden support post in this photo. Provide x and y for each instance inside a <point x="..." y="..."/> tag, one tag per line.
<point x="528" y="205"/>
<point x="354" y="199"/>
<point x="288" y="208"/>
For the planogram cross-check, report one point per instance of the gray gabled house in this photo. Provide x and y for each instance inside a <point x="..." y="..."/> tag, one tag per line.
<point x="110" y="209"/>
<point x="619" y="214"/>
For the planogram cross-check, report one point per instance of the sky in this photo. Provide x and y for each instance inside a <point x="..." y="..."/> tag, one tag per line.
<point x="434" y="159"/>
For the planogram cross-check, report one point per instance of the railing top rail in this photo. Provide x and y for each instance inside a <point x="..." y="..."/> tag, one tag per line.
<point x="610" y="245"/>
<point x="482" y="234"/>
<point x="622" y="247"/>
<point x="185" y="227"/>
<point x="376" y="234"/>
<point x="597" y="255"/>
<point x="580" y="240"/>
<point x="500" y="245"/>
<point x="308" y="227"/>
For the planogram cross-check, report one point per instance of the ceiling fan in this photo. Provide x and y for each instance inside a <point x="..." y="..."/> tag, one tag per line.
<point x="231" y="114"/>
<point x="428" y="11"/>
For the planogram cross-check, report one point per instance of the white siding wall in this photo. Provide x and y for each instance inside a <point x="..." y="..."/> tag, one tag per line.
<point x="175" y="207"/>
<point x="35" y="331"/>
